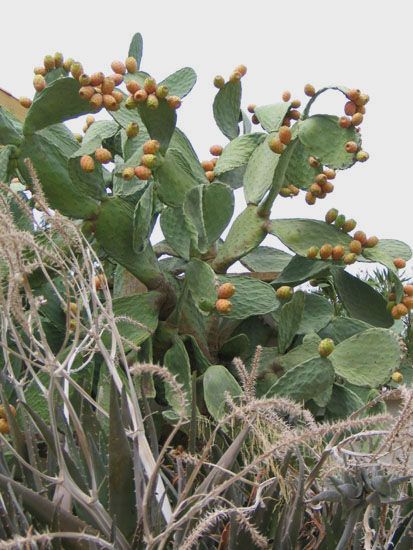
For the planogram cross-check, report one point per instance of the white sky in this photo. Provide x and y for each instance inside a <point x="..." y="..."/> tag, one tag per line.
<point x="367" y="45"/>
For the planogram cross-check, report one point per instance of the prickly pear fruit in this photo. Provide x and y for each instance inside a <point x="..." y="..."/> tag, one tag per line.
<point x="216" y="150"/>
<point x="87" y="92"/>
<point x="117" y="94"/>
<point x="58" y="59"/>
<point x="286" y="96"/>
<point x="349" y="225"/>
<point x="351" y="147"/>
<point x="40" y="70"/>
<point x="132" y="130"/>
<point x="397" y="377"/>
<point x="210" y="175"/>
<point x="4" y="426"/>
<point x="3" y="414"/>
<point x="140" y="96"/>
<point x="360" y="236"/>
<point x="350" y="108"/>
<point x="408" y="289"/>
<point x="408" y="302"/>
<point x="309" y="90"/>
<point x="48" y="62"/>
<point x="251" y="108"/>
<point x="362" y="156"/>
<point x="143" y="172"/>
<point x="223" y="306"/>
<point x="152" y="101"/>
<point x="399" y="263"/>
<point x="87" y="163"/>
<point x="96" y="79"/>
<point x="284" y="292"/>
<point x="295" y="115"/>
<point x="84" y="80"/>
<point x="284" y="192"/>
<point x="162" y="91"/>
<point x="340" y="221"/>
<point x="276" y="145"/>
<point x="219" y="81"/>
<point x="329" y="173"/>
<point x="399" y="311"/>
<point x="242" y="69"/>
<point x="235" y="76"/>
<point x="355" y="247"/>
<point x="174" y="101"/>
<point x="131" y="65"/>
<point x="102" y="155"/>
<point x="118" y="67"/>
<point x="76" y="69"/>
<point x="96" y="101"/>
<point x="284" y="135"/>
<point x="350" y="258"/>
<point x="148" y="160"/>
<point x="337" y="252"/>
<point x="226" y="291"/>
<point x="67" y="63"/>
<point x="328" y="187"/>
<point x="149" y="85"/>
<point x="25" y="102"/>
<point x="128" y="173"/>
<point x="357" y="119"/>
<point x="39" y="82"/>
<point x="326" y="347"/>
<point x="315" y="189"/>
<point x="344" y="122"/>
<point x="326" y="251"/>
<point x="151" y="147"/>
<point x="312" y="252"/>
<point x="109" y="102"/>
<point x="207" y="165"/>
<point x="371" y="242"/>
<point x="108" y="85"/>
<point x="313" y="162"/>
<point x="293" y="189"/>
<point x="132" y="86"/>
<point x="310" y="198"/>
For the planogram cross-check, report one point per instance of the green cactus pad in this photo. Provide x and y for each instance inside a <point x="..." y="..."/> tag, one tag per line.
<point x="176" y="360"/>
<point x="252" y="297"/>
<point x="218" y="382"/>
<point x="301" y="269"/>
<point x="341" y="328"/>
<point x="246" y="233"/>
<point x="318" y="312"/>
<point x="300" y="234"/>
<point x="209" y="209"/>
<point x="180" y="142"/>
<point x="10" y="128"/>
<point x="175" y="178"/>
<point x="299" y="172"/>
<point x="142" y="219"/>
<point x="200" y="279"/>
<point x="136" y="48"/>
<point x="226" y="109"/>
<point x="260" y="171"/>
<point x="343" y="402"/>
<point x="60" y="190"/>
<point x="96" y="133"/>
<point x="271" y="116"/>
<point x="58" y="102"/>
<point x="237" y="346"/>
<point x="290" y="318"/>
<point x="114" y="231"/>
<point x="325" y="139"/>
<point x="5" y="153"/>
<point x="159" y="122"/>
<point x="367" y="358"/>
<point x="386" y="250"/>
<point x="181" y="82"/>
<point x="312" y="379"/>
<point x="361" y="300"/>
<point x="177" y="232"/>
<point x="91" y="184"/>
<point x="305" y="351"/>
<point x="237" y="153"/>
<point x="266" y="259"/>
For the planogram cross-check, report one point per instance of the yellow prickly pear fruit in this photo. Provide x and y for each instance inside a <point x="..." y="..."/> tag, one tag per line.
<point x="326" y="347"/>
<point x="223" y="306"/>
<point x="284" y="292"/>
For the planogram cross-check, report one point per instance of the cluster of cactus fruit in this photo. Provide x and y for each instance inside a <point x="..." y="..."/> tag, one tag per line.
<point x="126" y="173"/>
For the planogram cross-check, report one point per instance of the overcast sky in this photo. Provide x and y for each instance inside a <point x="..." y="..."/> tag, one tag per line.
<point x="367" y="45"/>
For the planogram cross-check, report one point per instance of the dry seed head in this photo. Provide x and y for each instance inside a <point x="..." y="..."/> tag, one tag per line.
<point x="143" y="172"/>
<point x="286" y="95"/>
<point x="102" y="155"/>
<point x="131" y="64"/>
<point x="226" y="291"/>
<point x="284" y="135"/>
<point x="309" y="90"/>
<point x="223" y="306"/>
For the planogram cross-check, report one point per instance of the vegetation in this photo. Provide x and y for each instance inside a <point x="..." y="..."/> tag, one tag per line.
<point x="155" y="395"/>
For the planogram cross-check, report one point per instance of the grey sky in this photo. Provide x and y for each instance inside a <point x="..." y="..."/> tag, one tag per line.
<point x="367" y="45"/>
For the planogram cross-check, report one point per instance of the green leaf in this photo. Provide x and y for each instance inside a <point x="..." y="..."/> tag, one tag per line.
<point x="177" y="232"/>
<point x="181" y="82"/>
<point x="343" y="402"/>
<point x="367" y="358"/>
<point x="299" y="172"/>
<point x="209" y="209"/>
<point x="58" y="102"/>
<point x="143" y="311"/>
<point x="302" y="353"/>
<point x="252" y="297"/>
<point x="300" y="234"/>
<point x="226" y="109"/>
<point x="159" y="122"/>
<point x="122" y="501"/>
<point x="386" y="251"/>
<point x="361" y="300"/>
<point x="290" y="319"/>
<point x="10" y="128"/>
<point x="325" y="139"/>
<point x="312" y="379"/>
<point x="341" y="328"/>
<point x="142" y="219"/>
<point x="136" y="48"/>
<point x="51" y="165"/>
<point x="237" y="153"/>
<point x="301" y="269"/>
<point x="271" y="116"/>
<point x="317" y="314"/>
<point x="176" y="360"/>
<point x="200" y="279"/>
<point x="114" y="231"/>
<point x="218" y="382"/>
<point x="246" y="233"/>
<point x="175" y="178"/>
<point x="260" y="170"/>
<point x="266" y="259"/>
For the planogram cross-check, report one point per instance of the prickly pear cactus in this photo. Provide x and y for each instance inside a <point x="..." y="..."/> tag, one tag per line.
<point x="197" y="310"/>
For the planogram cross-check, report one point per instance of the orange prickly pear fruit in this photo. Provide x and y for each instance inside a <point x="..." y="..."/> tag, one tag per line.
<point x="356" y="119"/>
<point x="223" y="306"/>
<point x="312" y="252"/>
<point x="118" y="67"/>
<point x="315" y="189"/>
<point x="174" y="101"/>
<point x="87" y="163"/>
<point x="286" y="96"/>
<point x="108" y="85"/>
<point x="132" y="86"/>
<point x="128" y="173"/>
<point x="310" y="198"/>
<point x="326" y="251"/>
<point x="216" y="150"/>
<point x="210" y="175"/>
<point x="295" y="115"/>
<point x="207" y="165"/>
<point x="149" y="85"/>
<point x="350" y="258"/>
<point x="3" y="414"/>
<point x="132" y="130"/>
<point x="109" y="102"/>
<point x="84" y="80"/>
<point x="371" y="242"/>
<point x="284" y="135"/>
<point x="40" y="70"/>
<point x="353" y="94"/>
<point x="39" y="82"/>
<point x="349" y="225"/>
<point x="235" y="76"/>
<point x="337" y="252"/>
<point x="276" y="145"/>
<point x="329" y="173"/>
<point x="242" y="69"/>
<point x="355" y="247"/>
<point x="309" y="90"/>
<point x="140" y="96"/>
<point x="251" y="108"/>
<point x="96" y="79"/>
<point x="131" y="65"/>
<point x="294" y="190"/>
<point x="351" y="147"/>
<point x="328" y="187"/>
<point x="344" y="122"/>
<point x="143" y="172"/>
<point x="408" y="289"/>
<point x="313" y="162"/>
<point x="350" y="108"/>
<point x="151" y="147"/>
<point x="408" y="302"/>
<point x="87" y="92"/>
<point x="331" y="215"/>
<point x="285" y="192"/>
<point x="360" y="236"/>
<point x="117" y="94"/>
<point x="399" y="263"/>
<point x="96" y="101"/>
<point x="102" y="155"/>
<point x="25" y="102"/>
<point x="67" y="63"/>
<point x="4" y="426"/>
<point x="226" y="291"/>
